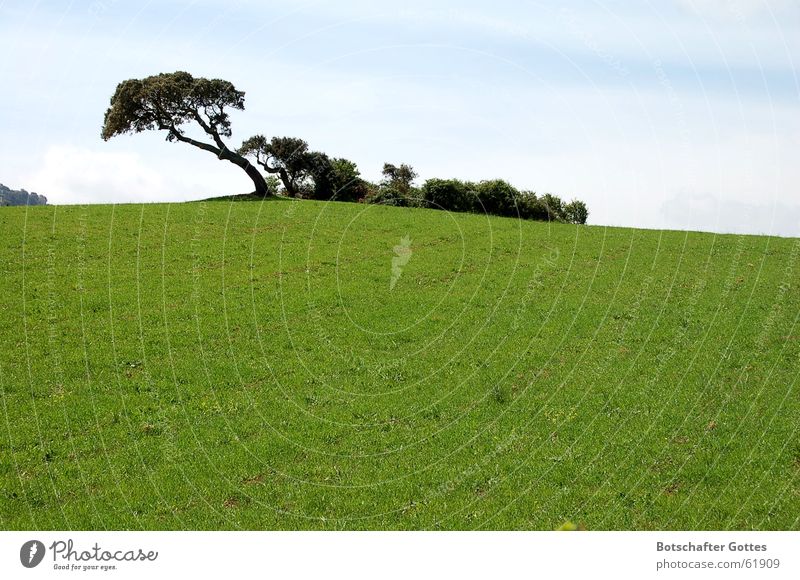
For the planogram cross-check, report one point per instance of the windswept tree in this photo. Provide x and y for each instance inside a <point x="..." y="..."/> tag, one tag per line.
<point x="288" y="157"/>
<point x="170" y="101"/>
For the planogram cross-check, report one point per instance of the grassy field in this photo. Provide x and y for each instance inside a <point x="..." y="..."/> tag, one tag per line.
<point x="222" y="365"/>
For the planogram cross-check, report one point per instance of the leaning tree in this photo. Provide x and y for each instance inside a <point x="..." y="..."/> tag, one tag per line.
<point x="169" y="101"/>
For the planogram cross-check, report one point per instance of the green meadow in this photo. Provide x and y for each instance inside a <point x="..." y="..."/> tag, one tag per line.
<point x="308" y="365"/>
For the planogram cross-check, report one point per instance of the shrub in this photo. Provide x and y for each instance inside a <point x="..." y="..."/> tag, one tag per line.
<point x="575" y="212"/>
<point x="392" y="195"/>
<point x="497" y="197"/>
<point x="531" y="207"/>
<point x="337" y="179"/>
<point x="554" y="207"/>
<point x="397" y="187"/>
<point x="346" y="180"/>
<point x="274" y="186"/>
<point x="449" y="194"/>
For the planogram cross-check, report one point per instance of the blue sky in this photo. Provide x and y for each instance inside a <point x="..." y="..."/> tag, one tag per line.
<point x="680" y="114"/>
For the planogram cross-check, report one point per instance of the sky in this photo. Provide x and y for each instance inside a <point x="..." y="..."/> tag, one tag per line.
<point x="676" y="114"/>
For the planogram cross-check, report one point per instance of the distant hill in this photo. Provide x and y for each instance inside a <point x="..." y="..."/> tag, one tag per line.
<point x="20" y="197"/>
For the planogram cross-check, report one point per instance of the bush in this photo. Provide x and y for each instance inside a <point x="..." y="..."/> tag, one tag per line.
<point x="553" y="207"/>
<point x="497" y="197"/>
<point x="575" y="212"/>
<point x="449" y="194"/>
<point x="397" y="187"/>
<point x="338" y="179"/>
<point x="531" y="207"/>
<point x="346" y="180"/>
<point x="392" y="195"/>
<point x="274" y="186"/>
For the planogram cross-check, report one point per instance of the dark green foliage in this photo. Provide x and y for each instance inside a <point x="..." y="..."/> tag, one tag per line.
<point x="10" y="196"/>
<point x="531" y="207"/>
<point x="449" y="194"/>
<point x="273" y="184"/>
<point x="553" y="206"/>
<point x="339" y="179"/>
<point x="288" y="157"/>
<point x="389" y="195"/>
<point x="168" y="101"/>
<point x="575" y="212"/>
<point x="320" y="184"/>
<point x="401" y="178"/>
<point x="397" y="187"/>
<point x="497" y="197"/>
<point x="305" y="173"/>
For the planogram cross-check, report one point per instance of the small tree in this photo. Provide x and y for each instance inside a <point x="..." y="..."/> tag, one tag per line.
<point x="576" y="212"/>
<point x="273" y="184"/>
<point x="397" y="186"/>
<point x="531" y="207"/>
<point x="337" y="179"/>
<point x="321" y="174"/>
<point x="497" y="197"/>
<point x="288" y="157"/>
<point x="347" y="182"/>
<point x="554" y="207"/>
<point x="169" y="101"/>
<point x="449" y="194"/>
<point x="400" y="178"/>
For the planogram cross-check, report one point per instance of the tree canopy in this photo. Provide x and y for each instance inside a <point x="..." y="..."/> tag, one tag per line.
<point x="168" y="102"/>
<point x="288" y="157"/>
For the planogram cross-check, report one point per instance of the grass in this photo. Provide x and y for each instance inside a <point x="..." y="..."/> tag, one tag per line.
<point x="221" y="365"/>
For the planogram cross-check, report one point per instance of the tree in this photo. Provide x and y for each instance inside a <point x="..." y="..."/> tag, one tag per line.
<point x="338" y="179"/>
<point x="169" y="101"/>
<point x="554" y="207"/>
<point x="575" y="212"/>
<point x="319" y="171"/>
<point x="397" y="186"/>
<point x="288" y="157"/>
<point x="497" y="197"/>
<point x="449" y="194"/>
<point x="531" y="207"/>
<point x="273" y="184"/>
<point x="400" y="178"/>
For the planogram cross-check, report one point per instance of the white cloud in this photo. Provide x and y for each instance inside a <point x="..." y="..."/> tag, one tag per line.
<point x="713" y="213"/>
<point x="70" y="174"/>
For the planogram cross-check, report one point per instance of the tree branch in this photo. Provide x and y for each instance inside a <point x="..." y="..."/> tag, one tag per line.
<point x="198" y="144"/>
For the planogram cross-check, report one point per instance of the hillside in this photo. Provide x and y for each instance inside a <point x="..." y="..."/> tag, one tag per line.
<point x="268" y="365"/>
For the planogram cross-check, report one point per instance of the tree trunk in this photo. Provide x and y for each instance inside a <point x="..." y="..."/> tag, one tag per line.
<point x="228" y="155"/>
<point x="258" y="179"/>
<point x="288" y="184"/>
<point x="252" y="171"/>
